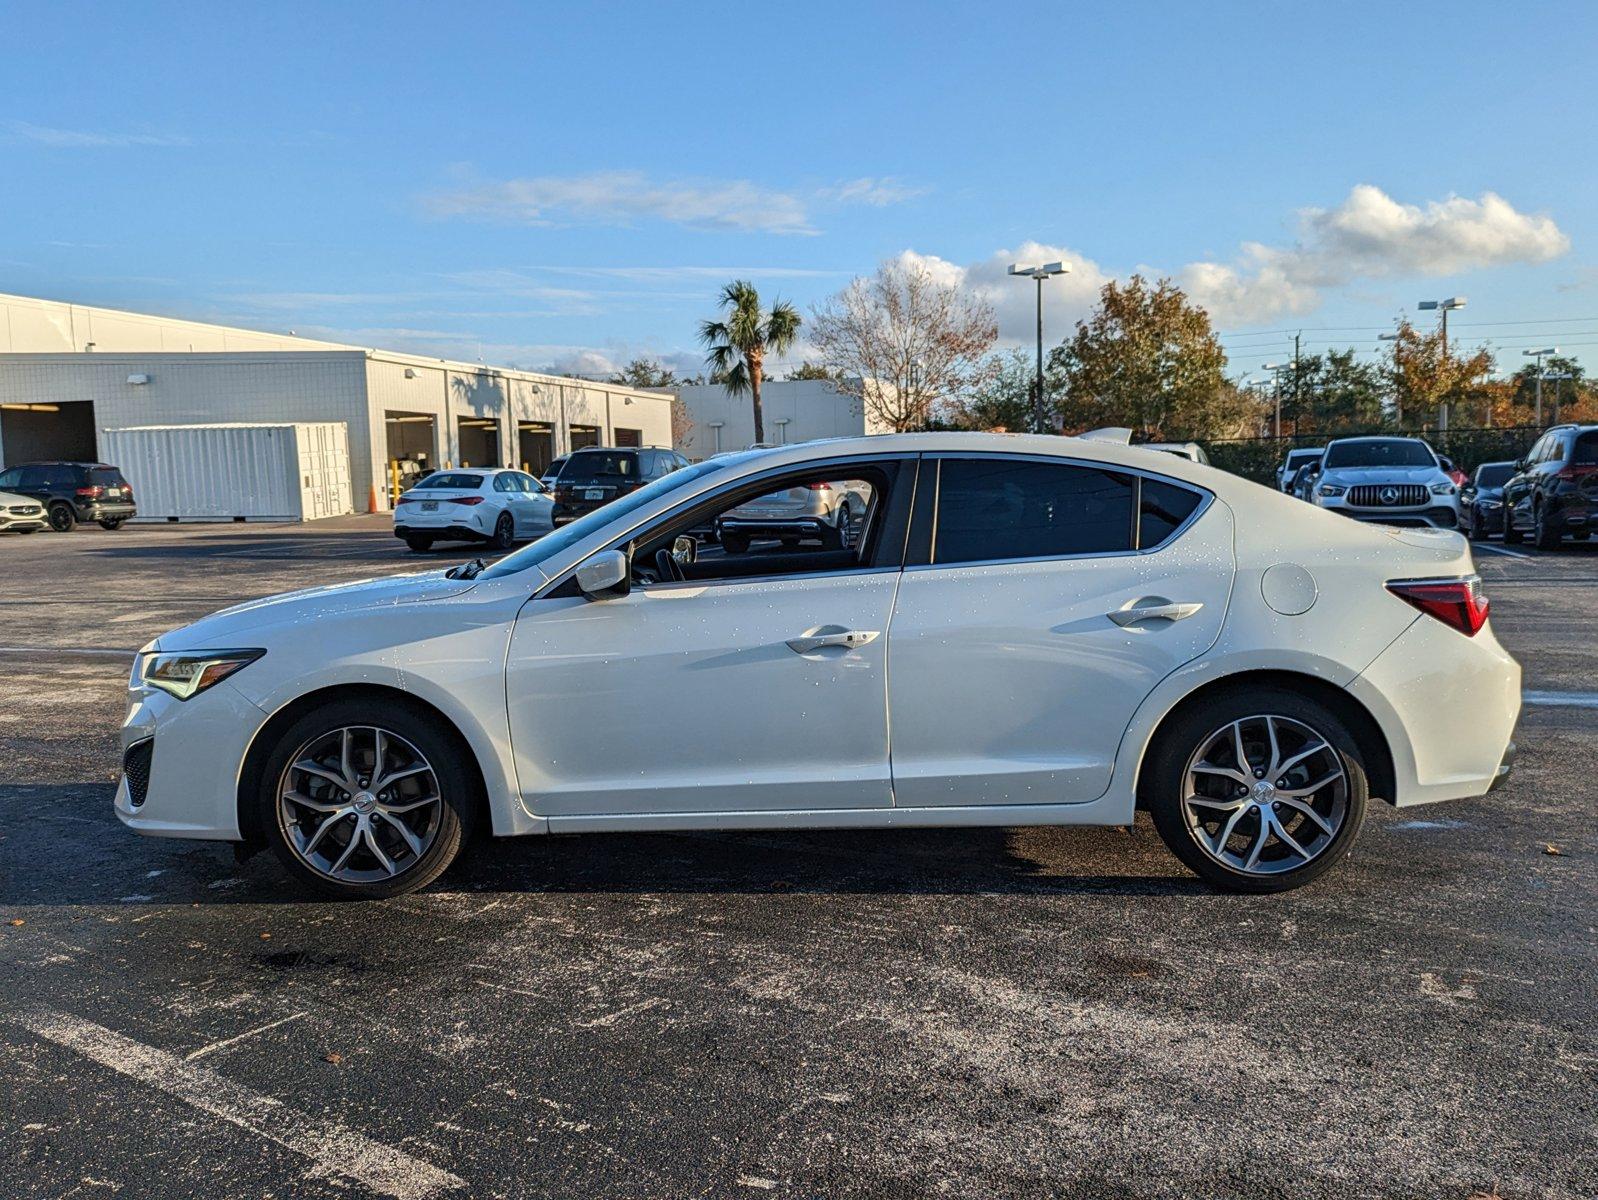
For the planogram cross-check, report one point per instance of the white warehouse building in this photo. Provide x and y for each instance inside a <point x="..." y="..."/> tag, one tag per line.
<point x="69" y="372"/>
<point x="795" y="410"/>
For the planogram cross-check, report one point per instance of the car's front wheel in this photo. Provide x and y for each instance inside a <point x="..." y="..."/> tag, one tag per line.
<point x="362" y="800"/>
<point x="1477" y="529"/>
<point x="1257" y="791"/>
<point x="112" y="523"/>
<point x="62" y="518"/>
<point x="1545" y="533"/>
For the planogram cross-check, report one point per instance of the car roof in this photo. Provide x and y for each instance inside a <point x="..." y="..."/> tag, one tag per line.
<point x="62" y="462"/>
<point x="1379" y="437"/>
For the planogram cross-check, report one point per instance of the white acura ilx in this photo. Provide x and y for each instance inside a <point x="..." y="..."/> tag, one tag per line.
<point x="1020" y="631"/>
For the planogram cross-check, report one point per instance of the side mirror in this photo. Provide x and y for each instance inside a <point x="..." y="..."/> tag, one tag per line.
<point x="685" y="550"/>
<point x="605" y="576"/>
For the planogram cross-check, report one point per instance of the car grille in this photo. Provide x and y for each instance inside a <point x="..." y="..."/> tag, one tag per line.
<point x="25" y="510"/>
<point x="136" y="770"/>
<point x="1387" y="495"/>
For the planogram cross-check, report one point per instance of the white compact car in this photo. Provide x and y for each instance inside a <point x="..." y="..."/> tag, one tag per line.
<point x="21" y="514"/>
<point x="495" y="505"/>
<point x="1056" y="631"/>
<point x="1391" y="480"/>
<point x="824" y="511"/>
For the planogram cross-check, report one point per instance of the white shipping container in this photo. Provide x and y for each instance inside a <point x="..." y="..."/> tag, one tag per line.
<point x="296" y="471"/>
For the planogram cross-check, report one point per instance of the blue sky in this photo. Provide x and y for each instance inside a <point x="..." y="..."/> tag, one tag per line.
<point x="568" y="185"/>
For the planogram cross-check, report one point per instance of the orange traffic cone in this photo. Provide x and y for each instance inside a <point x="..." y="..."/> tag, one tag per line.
<point x="371" y="499"/>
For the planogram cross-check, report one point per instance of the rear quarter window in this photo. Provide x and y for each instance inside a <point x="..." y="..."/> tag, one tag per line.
<point x="1162" y="509"/>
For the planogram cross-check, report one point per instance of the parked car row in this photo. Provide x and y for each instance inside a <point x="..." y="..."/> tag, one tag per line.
<point x="60" y="495"/>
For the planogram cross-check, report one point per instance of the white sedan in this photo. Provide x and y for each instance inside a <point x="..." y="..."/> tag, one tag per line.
<point x="495" y="505"/>
<point x="1075" y="630"/>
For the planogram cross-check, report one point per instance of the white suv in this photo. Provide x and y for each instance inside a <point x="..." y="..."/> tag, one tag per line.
<point x="1390" y="480"/>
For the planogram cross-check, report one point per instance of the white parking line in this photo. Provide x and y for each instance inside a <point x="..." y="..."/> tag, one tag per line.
<point x="1504" y="550"/>
<point x="334" y="1149"/>
<point x="1562" y="699"/>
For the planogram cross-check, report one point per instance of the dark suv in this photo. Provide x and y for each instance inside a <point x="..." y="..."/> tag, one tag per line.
<point x="73" y="492"/>
<point x="1554" y="490"/>
<point x="593" y="477"/>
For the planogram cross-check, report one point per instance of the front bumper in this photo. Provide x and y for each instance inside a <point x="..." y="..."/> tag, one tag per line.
<point x="21" y="524"/>
<point x="197" y="748"/>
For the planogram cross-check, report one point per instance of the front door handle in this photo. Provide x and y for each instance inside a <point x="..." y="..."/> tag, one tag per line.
<point x="832" y="635"/>
<point x="1152" y="608"/>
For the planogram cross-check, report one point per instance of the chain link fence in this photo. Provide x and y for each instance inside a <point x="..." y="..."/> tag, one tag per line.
<point x="1259" y="458"/>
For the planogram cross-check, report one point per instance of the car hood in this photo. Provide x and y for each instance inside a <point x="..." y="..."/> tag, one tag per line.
<point x="229" y="628"/>
<point x="12" y="498"/>
<point x="1355" y="475"/>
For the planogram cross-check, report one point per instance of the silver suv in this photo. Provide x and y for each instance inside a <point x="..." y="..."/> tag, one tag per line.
<point x="1390" y="480"/>
<point x="831" y="513"/>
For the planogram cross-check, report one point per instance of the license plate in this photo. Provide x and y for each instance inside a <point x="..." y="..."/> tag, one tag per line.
<point x="594" y="494"/>
<point x="429" y="505"/>
<point x="113" y="493"/>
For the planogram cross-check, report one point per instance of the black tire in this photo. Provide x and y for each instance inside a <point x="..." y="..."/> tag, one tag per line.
<point x="419" y="545"/>
<point x="504" y="532"/>
<point x="27" y="531"/>
<point x="1162" y="785"/>
<point x="448" y="756"/>
<point x="735" y="543"/>
<point x="112" y="523"/>
<point x="834" y="537"/>
<point x="1581" y="535"/>
<point x="1545" y="535"/>
<point x="1477" y="532"/>
<point x="62" y="518"/>
<point x="1512" y="536"/>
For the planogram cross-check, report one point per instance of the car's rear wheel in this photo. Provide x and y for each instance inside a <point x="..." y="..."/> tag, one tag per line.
<point x="421" y="545"/>
<point x="62" y="518"/>
<point x="504" y="532"/>
<point x="363" y="801"/>
<point x="735" y="543"/>
<point x="1545" y="533"/>
<point x="1256" y="791"/>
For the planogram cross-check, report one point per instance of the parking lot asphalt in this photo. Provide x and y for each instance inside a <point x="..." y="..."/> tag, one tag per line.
<point x="984" y="1013"/>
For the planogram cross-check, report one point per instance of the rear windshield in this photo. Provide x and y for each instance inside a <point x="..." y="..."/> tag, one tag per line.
<point x="448" y="479"/>
<point x="1386" y="452"/>
<point x="1585" y="451"/>
<point x="1494" y="474"/>
<point x="598" y="465"/>
<point x="1295" y="457"/>
<point x="105" y="477"/>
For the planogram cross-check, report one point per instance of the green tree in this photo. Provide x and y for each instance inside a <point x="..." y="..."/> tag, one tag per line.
<point x="1560" y="396"/>
<point x="646" y="373"/>
<point x="810" y="370"/>
<point x="736" y="345"/>
<point x="1001" y="397"/>
<point x="1336" y="393"/>
<point x="1147" y="359"/>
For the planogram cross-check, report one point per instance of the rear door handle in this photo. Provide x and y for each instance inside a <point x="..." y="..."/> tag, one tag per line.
<point x="1152" y="608"/>
<point x="832" y="635"/>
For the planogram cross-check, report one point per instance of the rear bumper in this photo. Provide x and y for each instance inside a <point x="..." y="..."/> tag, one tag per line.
<point x="458" y="533"/>
<point x="1447" y="706"/>
<point x="97" y="511"/>
<point x="774" y="526"/>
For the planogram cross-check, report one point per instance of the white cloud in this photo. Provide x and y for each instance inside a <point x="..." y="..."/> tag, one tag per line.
<point x="1370" y="236"/>
<point x="626" y="197"/>
<point x="876" y="192"/>
<point x="79" y="139"/>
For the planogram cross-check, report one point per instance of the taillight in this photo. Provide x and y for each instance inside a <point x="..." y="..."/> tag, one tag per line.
<point x="821" y="487"/>
<point x="405" y="500"/>
<point x="91" y="492"/>
<point x="464" y="499"/>
<point x="1456" y="602"/>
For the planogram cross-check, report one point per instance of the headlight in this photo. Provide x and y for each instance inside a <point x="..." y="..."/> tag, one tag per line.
<point x="1332" y="489"/>
<point x="1489" y="503"/>
<point x="188" y="674"/>
<point x="1445" y="488"/>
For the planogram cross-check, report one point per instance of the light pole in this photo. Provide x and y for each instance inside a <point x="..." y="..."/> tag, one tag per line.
<point x="1276" y="377"/>
<point x="1558" y="377"/>
<point x="1538" y="355"/>
<point x="1040" y="274"/>
<point x="1445" y="307"/>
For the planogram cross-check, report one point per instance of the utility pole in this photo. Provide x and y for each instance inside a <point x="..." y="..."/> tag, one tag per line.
<point x="1538" y="355"/>
<point x="1398" y="391"/>
<point x="1298" y="400"/>
<point x="1276" y="376"/>
<point x="1444" y="306"/>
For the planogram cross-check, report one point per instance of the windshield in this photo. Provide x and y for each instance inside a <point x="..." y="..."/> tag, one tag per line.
<point x="1494" y="474"/>
<point x="1381" y="452"/>
<point x="599" y="464"/>
<point x="446" y="479"/>
<point x="554" y="542"/>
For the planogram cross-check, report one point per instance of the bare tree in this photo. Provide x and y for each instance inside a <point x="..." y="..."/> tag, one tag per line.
<point x="903" y="344"/>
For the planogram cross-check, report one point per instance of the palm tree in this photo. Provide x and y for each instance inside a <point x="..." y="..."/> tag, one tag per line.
<point x="737" y="345"/>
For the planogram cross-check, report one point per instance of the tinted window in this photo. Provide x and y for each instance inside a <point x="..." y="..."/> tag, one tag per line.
<point x="1000" y="509"/>
<point x="454" y="480"/>
<point x="600" y="465"/>
<point x="529" y="484"/>
<point x="1163" y="508"/>
<point x="1494" y="474"/>
<point x="505" y="483"/>
<point x="1382" y="452"/>
<point x="1585" y="451"/>
<point x="11" y="478"/>
<point x="105" y="477"/>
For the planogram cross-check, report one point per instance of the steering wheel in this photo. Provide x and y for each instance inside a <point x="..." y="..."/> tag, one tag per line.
<point x="667" y="566"/>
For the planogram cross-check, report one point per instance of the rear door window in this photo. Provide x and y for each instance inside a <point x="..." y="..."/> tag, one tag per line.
<point x="1000" y="509"/>
<point x="1585" y="452"/>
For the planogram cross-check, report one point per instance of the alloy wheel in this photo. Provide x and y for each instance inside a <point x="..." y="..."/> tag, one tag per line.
<point x="359" y="804"/>
<point x="1265" y="794"/>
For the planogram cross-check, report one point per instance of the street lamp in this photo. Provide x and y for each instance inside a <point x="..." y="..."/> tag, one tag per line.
<point x="1276" y="377"/>
<point x="1040" y="274"/>
<point x="1398" y="396"/>
<point x="1538" y="355"/>
<point x="1557" y="377"/>
<point x="1445" y="307"/>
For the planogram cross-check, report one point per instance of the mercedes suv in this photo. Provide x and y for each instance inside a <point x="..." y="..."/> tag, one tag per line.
<point x="74" y="492"/>
<point x="1390" y="480"/>
<point x="1554" y="491"/>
